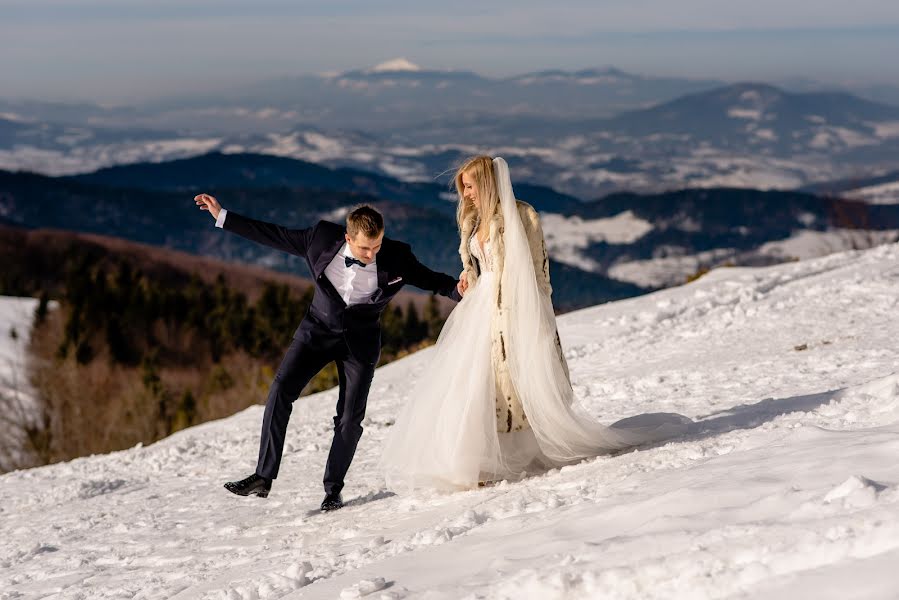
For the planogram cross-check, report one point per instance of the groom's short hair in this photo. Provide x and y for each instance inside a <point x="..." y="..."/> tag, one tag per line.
<point x="365" y="220"/>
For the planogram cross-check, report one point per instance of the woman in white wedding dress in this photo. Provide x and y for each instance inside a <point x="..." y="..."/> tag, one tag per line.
<point x="495" y="401"/>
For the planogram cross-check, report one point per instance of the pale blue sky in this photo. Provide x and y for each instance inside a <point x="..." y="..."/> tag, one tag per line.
<point x="128" y="50"/>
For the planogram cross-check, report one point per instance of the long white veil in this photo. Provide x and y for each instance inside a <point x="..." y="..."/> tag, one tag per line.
<point x="445" y="436"/>
<point x="565" y="432"/>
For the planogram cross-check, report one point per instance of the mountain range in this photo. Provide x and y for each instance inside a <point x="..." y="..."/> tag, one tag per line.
<point x="750" y="135"/>
<point x="393" y="95"/>
<point x="620" y="245"/>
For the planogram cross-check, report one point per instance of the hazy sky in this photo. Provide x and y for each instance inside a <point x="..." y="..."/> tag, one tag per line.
<point x="128" y="50"/>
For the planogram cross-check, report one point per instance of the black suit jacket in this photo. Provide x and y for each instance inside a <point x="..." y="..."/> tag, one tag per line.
<point x="360" y="324"/>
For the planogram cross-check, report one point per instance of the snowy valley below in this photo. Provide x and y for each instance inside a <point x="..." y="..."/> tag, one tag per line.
<point x="787" y="486"/>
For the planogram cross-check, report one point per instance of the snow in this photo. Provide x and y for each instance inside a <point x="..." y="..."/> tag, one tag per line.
<point x="17" y="396"/>
<point x="806" y="218"/>
<point x="337" y="215"/>
<point x="886" y="129"/>
<point x="566" y="237"/>
<point x="751" y="96"/>
<point x="787" y="487"/>
<point x="711" y="167"/>
<point x="161" y="150"/>
<point x="884" y="193"/>
<point x="353" y="84"/>
<point x="822" y="140"/>
<point x="853" y="138"/>
<point x="766" y="134"/>
<point x="667" y="271"/>
<point x="309" y="145"/>
<point x="806" y="244"/>
<point x="11" y="116"/>
<point x="752" y="114"/>
<point x="827" y="137"/>
<point x="403" y="171"/>
<point x="572" y="164"/>
<point x="75" y="136"/>
<point x="604" y="79"/>
<point x="677" y="265"/>
<point x="269" y="112"/>
<point x="397" y="64"/>
<point x="16" y="315"/>
<point x="86" y="158"/>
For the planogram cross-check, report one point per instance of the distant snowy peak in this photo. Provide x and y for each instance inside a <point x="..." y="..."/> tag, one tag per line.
<point x="395" y="65"/>
<point x="398" y="71"/>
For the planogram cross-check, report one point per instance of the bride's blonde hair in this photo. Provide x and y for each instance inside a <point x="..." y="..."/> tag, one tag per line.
<point x="479" y="168"/>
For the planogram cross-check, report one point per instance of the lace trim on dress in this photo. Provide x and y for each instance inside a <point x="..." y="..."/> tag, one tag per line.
<point x="482" y="254"/>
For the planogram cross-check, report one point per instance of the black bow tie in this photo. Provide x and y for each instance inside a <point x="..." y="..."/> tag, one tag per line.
<point x="350" y="261"/>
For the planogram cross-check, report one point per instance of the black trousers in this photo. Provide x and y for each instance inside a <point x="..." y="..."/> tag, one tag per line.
<point x="305" y="357"/>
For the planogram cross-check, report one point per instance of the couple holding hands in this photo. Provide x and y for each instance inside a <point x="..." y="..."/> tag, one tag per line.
<point x="495" y="401"/>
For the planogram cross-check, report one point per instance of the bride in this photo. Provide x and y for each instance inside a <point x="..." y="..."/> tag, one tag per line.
<point x="495" y="402"/>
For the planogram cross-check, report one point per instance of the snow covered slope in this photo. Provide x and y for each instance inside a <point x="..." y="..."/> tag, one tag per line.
<point x="16" y="394"/>
<point x="16" y="315"/>
<point x="787" y="487"/>
<point x="884" y="193"/>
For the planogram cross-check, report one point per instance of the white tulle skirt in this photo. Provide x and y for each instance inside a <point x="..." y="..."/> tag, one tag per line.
<point x="445" y="436"/>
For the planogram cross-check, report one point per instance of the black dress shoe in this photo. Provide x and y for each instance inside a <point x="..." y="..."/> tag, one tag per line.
<point x="332" y="502"/>
<point x="254" y="484"/>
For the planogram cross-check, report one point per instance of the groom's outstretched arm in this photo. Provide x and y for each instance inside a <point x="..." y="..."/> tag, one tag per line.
<point x="422" y="277"/>
<point x="294" y="241"/>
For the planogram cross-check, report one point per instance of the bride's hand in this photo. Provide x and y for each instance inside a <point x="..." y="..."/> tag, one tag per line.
<point x="462" y="286"/>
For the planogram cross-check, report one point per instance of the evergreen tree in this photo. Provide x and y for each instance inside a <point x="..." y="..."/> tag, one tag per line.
<point x="413" y="328"/>
<point x="40" y="313"/>
<point x="121" y="345"/>
<point x="433" y="318"/>
<point x="84" y="352"/>
<point x="391" y="330"/>
<point x="186" y="413"/>
<point x="149" y="367"/>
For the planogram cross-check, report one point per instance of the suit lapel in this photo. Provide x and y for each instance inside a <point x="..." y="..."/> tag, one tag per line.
<point x="382" y="278"/>
<point x="382" y="275"/>
<point x="321" y="263"/>
<point x="327" y="255"/>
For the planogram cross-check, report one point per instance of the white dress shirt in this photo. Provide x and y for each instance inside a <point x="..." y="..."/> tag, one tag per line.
<point x="220" y="221"/>
<point x="355" y="284"/>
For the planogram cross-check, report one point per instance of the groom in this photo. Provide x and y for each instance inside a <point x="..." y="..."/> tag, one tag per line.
<point x="356" y="272"/>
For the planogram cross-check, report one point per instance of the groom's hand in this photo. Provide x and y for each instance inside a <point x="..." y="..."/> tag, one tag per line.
<point x="207" y="202"/>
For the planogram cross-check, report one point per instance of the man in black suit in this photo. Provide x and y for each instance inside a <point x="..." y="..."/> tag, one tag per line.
<point x="356" y="272"/>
